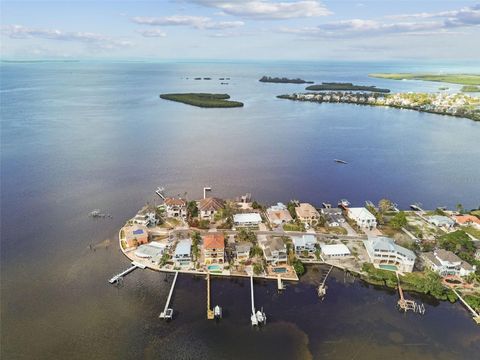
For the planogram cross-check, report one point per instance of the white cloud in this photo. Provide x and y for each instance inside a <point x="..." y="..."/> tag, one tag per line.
<point x="93" y="39"/>
<point x="152" y="33"/>
<point x="197" y="22"/>
<point x="263" y="9"/>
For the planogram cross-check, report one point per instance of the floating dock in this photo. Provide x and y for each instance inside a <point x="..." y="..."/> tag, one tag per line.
<point x="167" y="312"/>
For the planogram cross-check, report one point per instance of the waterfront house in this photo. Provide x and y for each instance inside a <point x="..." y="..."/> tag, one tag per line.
<point x="307" y="214"/>
<point x="135" y="235"/>
<point x="246" y="220"/>
<point x="362" y="217"/>
<point x="274" y="250"/>
<point x="147" y="219"/>
<point x="209" y="207"/>
<point x="183" y="252"/>
<point x="384" y="253"/>
<point x="242" y="251"/>
<point x="304" y="243"/>
<point x="175" y="207"/>
<point x="152" y="251"/>
<point x="214" y="248"/>
<point x="278" y="214"/>
<point x="467" y="220"/>
<point x="335" y="251"/>
<point x="333" y="216"/>
<point x="441" y="221"/>
<point x="446" y="263"/>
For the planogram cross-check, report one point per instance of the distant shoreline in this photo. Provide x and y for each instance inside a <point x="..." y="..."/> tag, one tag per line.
<point x="462" y="79"/>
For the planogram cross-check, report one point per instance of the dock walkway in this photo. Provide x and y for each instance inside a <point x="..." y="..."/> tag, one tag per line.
<point x="476" y="316"/>
<point x="168" y="312"/>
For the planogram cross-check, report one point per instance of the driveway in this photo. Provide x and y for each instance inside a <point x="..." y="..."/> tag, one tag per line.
<point x="350" y="231"/>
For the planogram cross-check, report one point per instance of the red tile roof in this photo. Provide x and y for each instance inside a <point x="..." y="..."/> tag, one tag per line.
<point x="174" y="202"/>
<point x="213" y="241"/>
<point x="465" y="219"/>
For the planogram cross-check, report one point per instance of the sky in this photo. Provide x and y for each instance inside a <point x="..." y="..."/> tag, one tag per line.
<point x="427" y="30"/>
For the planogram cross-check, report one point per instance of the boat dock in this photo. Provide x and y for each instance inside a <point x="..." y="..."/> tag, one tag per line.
<point x="210" y="314"/>
<point x="167" y="312"/>
<point x="280" y="285"/>
<point x="476" y="316"/>
<point x="117" y="277"/>
<point x="406" y="305"/>
<point x="257" y="317"/>
<point x="322" y="289"/>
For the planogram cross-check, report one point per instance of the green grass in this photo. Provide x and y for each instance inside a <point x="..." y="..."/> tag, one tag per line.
<point x="345" y="87"/>
<point x="472" y="231"/>
<point x="293" y="227"/>
<point x="462" y="79"/>
<point x="470" y="88"/>
<point x="204" y="100"/>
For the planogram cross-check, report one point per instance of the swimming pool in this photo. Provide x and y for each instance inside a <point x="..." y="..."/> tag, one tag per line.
<point x="388" y="267"/>
<point x="280" y="270"/>
<point x="214" y="268"/>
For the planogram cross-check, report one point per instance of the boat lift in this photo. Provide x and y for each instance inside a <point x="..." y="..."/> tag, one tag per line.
<point x="167" y="312"/>
<point x="258" y="318"/>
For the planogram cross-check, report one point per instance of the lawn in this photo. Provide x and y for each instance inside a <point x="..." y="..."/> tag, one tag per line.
<point x="472" y="231"/>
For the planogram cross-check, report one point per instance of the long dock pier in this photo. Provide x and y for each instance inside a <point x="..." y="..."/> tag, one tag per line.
<point x="322" y="290"/>
<point x="405" y="304"/>
<point x="210" y="313"/>
<point x="476" y="316"/>
<point x="167" y="312"/>
<point x="117" y="277"/>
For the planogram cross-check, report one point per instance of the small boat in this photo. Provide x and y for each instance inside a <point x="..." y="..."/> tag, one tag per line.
<point x="416" y="207"/>
<point x="254" y="320"/>
<point x="344" y="203"/>
<point x="340" y="161"/>
<point x="217" y="312"/>
<point x="261" y="317"/>
<point x="327" y="205"/>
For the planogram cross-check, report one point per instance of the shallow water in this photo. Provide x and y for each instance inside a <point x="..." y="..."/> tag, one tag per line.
<point x="79" y="136"/>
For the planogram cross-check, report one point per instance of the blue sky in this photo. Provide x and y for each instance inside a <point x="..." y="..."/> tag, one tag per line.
<point x="241" y="29"/>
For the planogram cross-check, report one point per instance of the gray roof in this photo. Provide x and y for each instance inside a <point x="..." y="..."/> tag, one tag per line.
<point x="431" y="256"/>
<point x="243" y="247"/>
<point x="332" y="211"/>
<point x="387" y="244"/>
<point x="183" y="247"/>
<point x="446" y="255"/>
<point x="304" y="240"/>
<point x="275" y="243"/>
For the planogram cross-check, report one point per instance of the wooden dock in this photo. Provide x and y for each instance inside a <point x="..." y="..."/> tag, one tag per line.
<point x="476" y="316"/>
<point x="210" y="313"/>
<point x="167" y="312"/>
<point x="322" y="289"/>
<point x="408" y="305"/>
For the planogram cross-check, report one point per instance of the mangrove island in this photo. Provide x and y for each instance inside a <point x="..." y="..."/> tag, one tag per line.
<point x="284" y="80"/>
<point x="345" y="87"/>
<point x="204" y="100"/>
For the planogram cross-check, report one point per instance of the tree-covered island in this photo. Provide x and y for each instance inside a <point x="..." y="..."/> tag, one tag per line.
<point x="284" y="80"/>
<point x="204" y="100"/>
<point x="337" y="86"/>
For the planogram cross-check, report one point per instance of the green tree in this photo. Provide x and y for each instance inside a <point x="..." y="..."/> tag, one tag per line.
<point x="399" y="220"/>
<point x="384" y="205"/>
<point x="192" y="209"/>
<point x="291" y="209"/>
<point x="459" y="243"/>
<point x="257" y="269"/>
<point x="298" y="267"/>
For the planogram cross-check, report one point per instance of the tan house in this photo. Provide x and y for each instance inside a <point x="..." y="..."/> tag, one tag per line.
<point x="208" y="207"/>
<point x="214" y="249"/>
<point x="307" y="214"/>
<point x="175" y="207"/>
<point x="135" y="235"/>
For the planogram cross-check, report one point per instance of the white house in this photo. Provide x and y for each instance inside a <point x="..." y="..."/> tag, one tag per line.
<point x="242" y="251"/>
<point x="147" y="219"/>
<point x="278" y="214"/>
<point x="385" y="254"/>
<point x="335" y="250"/>
<point x="446" y="263"/>
<point x="175" y="207"/>
<point x="208" y="207"/>
<point x="363" y="217"/>
<point x="441" y="221"/>
<point x="248" y="219"/>
<point x="304" y="243"/>
<point x="333" y="216"/>
<point x="183" y="252"/>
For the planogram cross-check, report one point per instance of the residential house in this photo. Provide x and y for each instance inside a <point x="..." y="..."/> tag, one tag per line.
<point x="175" y="207"/>
<point x="385" y="254"/>
<point x="307" y="214"/>
<point x="304" y="243"/>
<point x="242" y="251"/>
<point x="214" y="248"/>
<point x="209" y="207"/>
<point x="152" y="251"/>
<point x="441" y="221"/>
<point x="183" y="252"/>
<point x="363" y="217"/>
<point x="135" y="235"/>
<point x="333" y="216"/>
<point x="246" y="220"/>
<point x="147" y="219"/>
<point x="278" y="214"/>
<point x="467" y="220"/>
<point x="335" y="251"/>
<point x="274" y="250"/>
<point x="445" y="263"/>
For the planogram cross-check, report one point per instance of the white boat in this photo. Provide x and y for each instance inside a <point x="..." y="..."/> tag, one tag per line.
<point x="254" y="320"/>
<point x="344" y="203"/>
<point x="217" y="312"/>
<point x="261" y="317"/>
<point x="340" y="161"/>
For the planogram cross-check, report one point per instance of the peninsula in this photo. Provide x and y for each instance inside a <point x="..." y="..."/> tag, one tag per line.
<point x="432" y="252"/>
<point x="345" y="87"/>
<point x="459" y="105"/>
<point x="204" y="100"/>
<point x="284" y="80"/>
<point x="462" y="79"/>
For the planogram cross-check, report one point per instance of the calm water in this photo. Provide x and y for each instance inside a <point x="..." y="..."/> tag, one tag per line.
<point x="79" y="136"/>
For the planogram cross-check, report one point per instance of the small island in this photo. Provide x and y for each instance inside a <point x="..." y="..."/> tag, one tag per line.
<point x="470" y="88"/>
<point x="284" y="80"/>
<point x="337" y="86"/>
<point x="462" y="79"/>
<point x="204" y="100"/>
